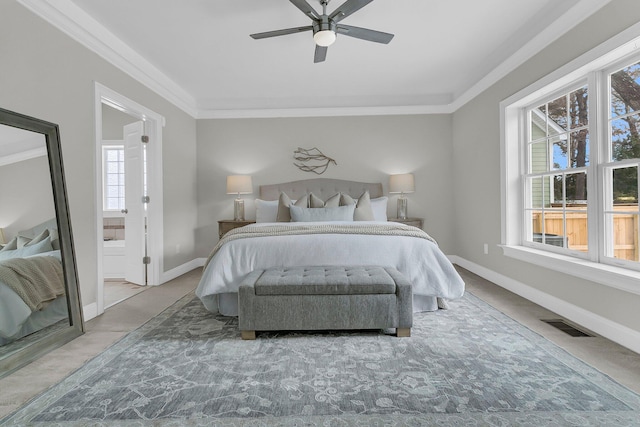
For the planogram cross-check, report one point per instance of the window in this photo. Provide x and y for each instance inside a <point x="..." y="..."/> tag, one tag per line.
<point x="113" y="167"/>
<point x="571" y="154"/>
<point x="557" y="154"/>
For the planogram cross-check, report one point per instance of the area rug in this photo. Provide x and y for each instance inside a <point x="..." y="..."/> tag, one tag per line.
<point x="467" y="366"/>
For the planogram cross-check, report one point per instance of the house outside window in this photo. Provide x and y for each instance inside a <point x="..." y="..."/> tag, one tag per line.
<point x="570" y="158"/>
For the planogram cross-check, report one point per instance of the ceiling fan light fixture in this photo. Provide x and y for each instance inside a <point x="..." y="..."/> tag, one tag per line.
<point x="324" y="38"/>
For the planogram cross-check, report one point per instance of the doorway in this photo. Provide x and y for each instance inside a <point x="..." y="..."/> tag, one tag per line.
<point x="124" y="211"/>
<point x="128" y="215"/>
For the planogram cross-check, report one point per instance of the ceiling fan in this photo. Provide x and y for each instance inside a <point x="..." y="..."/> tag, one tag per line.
<point x="325" y="27"/>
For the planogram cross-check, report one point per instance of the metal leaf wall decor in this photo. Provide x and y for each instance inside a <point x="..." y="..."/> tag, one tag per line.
<point x="312" y="160"/>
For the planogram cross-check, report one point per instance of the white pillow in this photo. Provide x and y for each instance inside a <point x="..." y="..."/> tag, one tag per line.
<point x="266" y="210"/>
<point x="340" y="213"/>
<point x="379" y="207"/>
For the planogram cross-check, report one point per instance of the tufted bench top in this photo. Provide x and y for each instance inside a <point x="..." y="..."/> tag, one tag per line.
<point x="326" y="280"/>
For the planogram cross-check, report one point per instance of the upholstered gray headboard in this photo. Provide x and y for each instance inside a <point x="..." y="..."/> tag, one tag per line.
<point x="321" y="187"/>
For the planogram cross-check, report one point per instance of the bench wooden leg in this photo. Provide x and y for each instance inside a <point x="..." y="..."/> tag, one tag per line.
<point x="403" y="332"/>
<point x="248" y="335"/>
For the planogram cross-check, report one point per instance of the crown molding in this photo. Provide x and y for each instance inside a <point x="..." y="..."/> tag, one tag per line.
<point x="565" y="22"/>
<point x="25" y="155"/>
<point x="73" y="21"/>
<point x="81" y="27"/>
<point x="394" y="110"/>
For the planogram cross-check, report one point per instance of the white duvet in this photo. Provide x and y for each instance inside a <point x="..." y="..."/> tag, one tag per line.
<point x="420" y="260"/>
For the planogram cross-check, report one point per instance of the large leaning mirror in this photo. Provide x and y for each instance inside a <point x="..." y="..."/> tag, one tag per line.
<point x="39" y="294"/>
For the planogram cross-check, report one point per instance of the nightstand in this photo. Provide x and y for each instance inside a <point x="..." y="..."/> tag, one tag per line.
<point x="416" y="222"/>
<point x="226" y="225"/>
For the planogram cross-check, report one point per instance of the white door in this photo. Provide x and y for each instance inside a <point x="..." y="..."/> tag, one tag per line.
<point x="134" y="218"/>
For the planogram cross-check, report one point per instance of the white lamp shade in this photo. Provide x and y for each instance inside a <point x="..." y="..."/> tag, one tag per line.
<point x="403" y="183"/>
<point x="239" y="184"/>
<point x="324" y="38"/>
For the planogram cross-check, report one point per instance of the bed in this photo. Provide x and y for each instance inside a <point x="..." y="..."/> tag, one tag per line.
<point x="268" y="244"/>
<point x="32" y="289"/>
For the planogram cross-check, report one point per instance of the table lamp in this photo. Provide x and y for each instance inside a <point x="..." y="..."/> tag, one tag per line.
<point x="239" y="184"/>
<point x="402" y="183"/>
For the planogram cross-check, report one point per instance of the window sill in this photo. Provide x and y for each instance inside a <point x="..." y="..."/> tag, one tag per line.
<point x="608" y="275"/>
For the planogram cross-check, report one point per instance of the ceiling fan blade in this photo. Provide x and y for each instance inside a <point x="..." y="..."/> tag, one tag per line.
<point x="321" y="54"/>
<point x="347" y="8"/>
<point x="306" y="8"/>
<point x="284" y="32"/>
<point x="364" y="34"/>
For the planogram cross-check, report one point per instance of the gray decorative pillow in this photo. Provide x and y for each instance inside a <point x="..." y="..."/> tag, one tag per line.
<point x="363" y="211"/>
<point x="316" y="202"/>
<point x="339" y="213"/>
<point x="39" y="238"/>
<point x="284" y="202"/>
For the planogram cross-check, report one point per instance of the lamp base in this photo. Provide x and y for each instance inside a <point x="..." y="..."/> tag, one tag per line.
<point x="238" y="210"/>
<point x="402" y="207"/>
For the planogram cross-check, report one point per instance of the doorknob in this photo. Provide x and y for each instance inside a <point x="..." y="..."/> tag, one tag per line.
<point x="125" y="211"/>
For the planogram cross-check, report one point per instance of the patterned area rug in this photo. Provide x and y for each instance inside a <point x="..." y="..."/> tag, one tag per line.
<point x="467" y="366"/>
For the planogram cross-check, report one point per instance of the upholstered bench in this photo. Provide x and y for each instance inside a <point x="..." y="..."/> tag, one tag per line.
<point x="325" y="298"/>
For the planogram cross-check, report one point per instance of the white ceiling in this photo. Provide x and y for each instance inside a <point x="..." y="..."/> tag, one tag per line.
<point x="18" y="144"/>
<point x="198" y="53"/>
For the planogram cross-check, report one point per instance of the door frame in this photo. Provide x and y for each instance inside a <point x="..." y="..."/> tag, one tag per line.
<point x="154" y="123"/>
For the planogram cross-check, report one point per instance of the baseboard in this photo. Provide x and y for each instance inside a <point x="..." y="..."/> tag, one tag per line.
<point x="607" y="328"/>
<point x="181" y="269"/>
<point x="89" y="311"/>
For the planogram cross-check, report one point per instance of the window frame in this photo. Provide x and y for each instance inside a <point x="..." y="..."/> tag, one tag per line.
<point x="592" y="66"/>
<point x="109" y="145"/>
<point x="589" y="169"/>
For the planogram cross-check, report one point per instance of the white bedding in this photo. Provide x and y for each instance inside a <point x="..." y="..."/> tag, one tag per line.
<point x="421" y="261"/>
<point x="17" y="319"/>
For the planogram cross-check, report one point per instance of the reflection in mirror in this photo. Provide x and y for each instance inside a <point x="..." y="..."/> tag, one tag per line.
<point x="39" y="304"/>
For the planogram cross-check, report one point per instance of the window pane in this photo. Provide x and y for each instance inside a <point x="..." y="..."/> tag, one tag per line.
<point x="112" y="191"/>
<point x="112" y="155"/>
<point x="553" y="229"/>
<point x="112" y="168"/>
<point x="576" y="188"/>
<point x="625" y="236"/>
<point x="577" y="228"/>
<point x="112" y="203"/>
<point x="579" y="148"/>
<point x="625" y="137"/>
<point x="557" y="191"/>
<point x="625" y="90"/>
<point x="579" y="108"/>
<point x="536" y="192"/>
<point x="560" y="152"/>
<point x="539" y="156"/>
<point x="112" y="179"/>
<point x="536" y="222"/>
<point x="625" y="187"/>
<point x="557" y="117"/>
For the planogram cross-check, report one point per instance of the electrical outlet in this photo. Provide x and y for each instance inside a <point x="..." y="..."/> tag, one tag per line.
<point x="486" y="248"/>
<point x="178" y="249"/>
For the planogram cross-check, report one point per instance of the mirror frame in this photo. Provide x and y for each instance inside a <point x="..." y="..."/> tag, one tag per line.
<point x="25" y="355"/>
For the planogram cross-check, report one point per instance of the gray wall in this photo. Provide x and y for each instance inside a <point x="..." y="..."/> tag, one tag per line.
<point x="46" y="74"/>
<point x="476" y="150"/>
<point x="366" y="149"/>
<point x="26" y="195"/>
<point x="113" y="122"/>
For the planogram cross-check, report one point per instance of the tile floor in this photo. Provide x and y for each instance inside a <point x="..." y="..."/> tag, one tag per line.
<point x="618" y="362"/>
